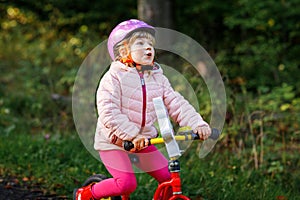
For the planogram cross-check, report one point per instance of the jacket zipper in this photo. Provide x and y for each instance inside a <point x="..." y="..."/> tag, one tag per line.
<point x="144" y="99"/>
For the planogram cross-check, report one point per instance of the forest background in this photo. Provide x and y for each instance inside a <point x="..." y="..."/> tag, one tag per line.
<point x="255" y="45"/>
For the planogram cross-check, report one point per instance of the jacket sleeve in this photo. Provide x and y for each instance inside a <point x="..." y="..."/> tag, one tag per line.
<point x="109" y="110"/>
<point x="180" y="110"/>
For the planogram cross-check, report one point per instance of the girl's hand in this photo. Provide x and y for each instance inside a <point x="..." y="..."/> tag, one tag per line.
<point x="140" y="142"/>
<point x="203" y="131"/>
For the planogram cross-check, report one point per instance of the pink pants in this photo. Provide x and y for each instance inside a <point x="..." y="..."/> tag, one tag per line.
<point x="118" y="164"/>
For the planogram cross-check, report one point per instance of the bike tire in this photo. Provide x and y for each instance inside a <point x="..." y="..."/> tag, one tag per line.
<point x="96" y="178"/>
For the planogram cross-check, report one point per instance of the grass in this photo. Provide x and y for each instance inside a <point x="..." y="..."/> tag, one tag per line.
<point x="61" y="163"/>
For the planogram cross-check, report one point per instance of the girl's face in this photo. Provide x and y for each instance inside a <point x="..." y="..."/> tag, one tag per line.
<point x="142" y="51"/>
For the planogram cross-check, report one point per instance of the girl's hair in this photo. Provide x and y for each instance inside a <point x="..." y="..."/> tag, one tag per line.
<point x="130" y="40"/>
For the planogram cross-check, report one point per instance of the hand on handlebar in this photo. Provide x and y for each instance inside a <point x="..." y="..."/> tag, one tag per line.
<point x="200" y="133"/>
<point x="203" y="131"/>
<point x="140" y="142"/>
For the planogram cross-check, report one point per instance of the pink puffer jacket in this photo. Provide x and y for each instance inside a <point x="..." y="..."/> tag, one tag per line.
<point x="125" y="110"/>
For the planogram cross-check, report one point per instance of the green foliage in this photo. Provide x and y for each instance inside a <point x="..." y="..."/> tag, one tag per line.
<point x="37" y="63"/>
<point x="264" y="131"/>
<point x="266" y="35"/>
<point x="254" y="41"/>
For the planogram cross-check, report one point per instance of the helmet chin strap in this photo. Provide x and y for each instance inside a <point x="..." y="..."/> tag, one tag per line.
<point x="147" y="67"/>
<point x="144" y="67"/>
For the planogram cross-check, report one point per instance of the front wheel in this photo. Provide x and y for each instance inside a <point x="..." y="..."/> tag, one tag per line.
<point x="96" y="178"/>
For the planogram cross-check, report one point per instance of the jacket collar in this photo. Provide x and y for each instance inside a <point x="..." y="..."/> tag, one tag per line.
<point x="118" y="66"/>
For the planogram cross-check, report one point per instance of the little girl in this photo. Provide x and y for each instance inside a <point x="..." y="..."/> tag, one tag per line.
<point x="126" y="111"/>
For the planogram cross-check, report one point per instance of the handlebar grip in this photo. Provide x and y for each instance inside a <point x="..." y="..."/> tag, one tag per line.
<point x="128" y="145"/>
<point x="215" y="133"/>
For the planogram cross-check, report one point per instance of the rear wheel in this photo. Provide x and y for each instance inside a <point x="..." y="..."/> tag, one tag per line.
<point x="96" y="178"/>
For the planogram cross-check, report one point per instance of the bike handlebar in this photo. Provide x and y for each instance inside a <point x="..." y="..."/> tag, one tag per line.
<point x="181" y="136"/>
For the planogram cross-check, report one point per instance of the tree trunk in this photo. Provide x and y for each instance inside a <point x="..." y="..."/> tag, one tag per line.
<point x="156" y="12"/>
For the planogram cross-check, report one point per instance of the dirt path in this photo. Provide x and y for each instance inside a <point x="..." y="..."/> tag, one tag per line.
<point x="11" y="189"/>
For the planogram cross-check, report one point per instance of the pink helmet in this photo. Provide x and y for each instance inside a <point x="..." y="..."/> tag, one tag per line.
<point x="125" y="29"/>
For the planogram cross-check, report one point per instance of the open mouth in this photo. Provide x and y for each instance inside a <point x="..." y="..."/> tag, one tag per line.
<point x="149" y="54"/>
